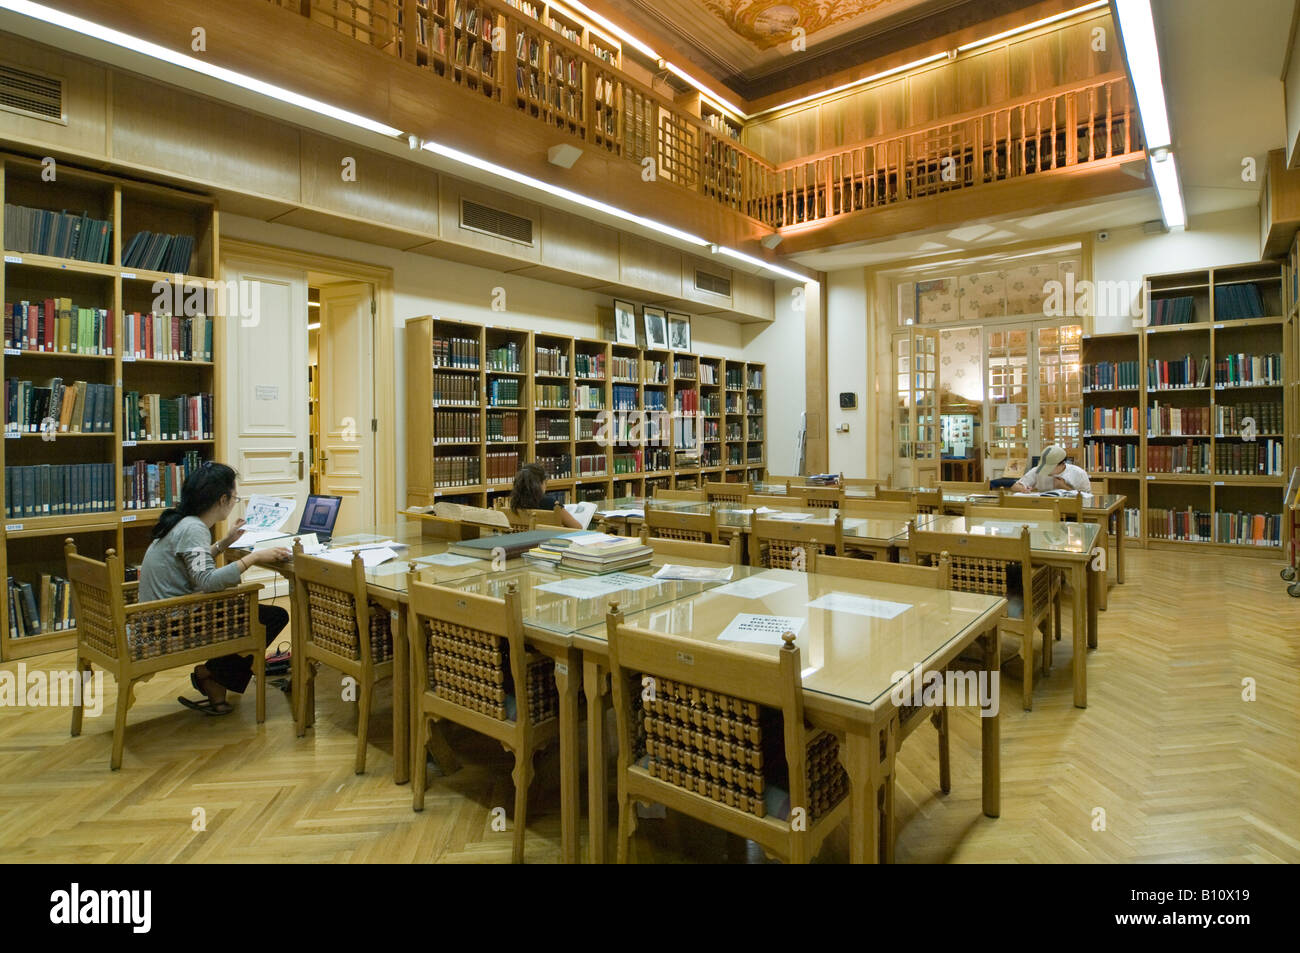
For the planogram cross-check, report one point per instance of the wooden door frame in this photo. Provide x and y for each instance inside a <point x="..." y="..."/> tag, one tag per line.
<point x="382" y="365"/>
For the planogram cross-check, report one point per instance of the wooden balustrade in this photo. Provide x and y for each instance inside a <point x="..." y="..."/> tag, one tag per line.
<point x="573" y="82"/>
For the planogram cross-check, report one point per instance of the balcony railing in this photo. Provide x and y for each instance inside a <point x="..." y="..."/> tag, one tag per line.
<point x="568" y="76"/>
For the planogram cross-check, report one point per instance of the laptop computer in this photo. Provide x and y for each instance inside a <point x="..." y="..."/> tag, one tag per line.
<point x="319" y="516"/>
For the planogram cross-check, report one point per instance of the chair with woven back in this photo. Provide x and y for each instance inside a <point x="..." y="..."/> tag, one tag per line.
<point x="870" y="508"/>
<point x="1066" y="507"/>
<point x="674" y="524"/>
<point x="956" y="486"/>
<point x="771" y="500"/>
<point x="693" y="495"/>
<point x="998" y="566"/>
<point x="816" y="497"/>
<point x="472" y="668"/>
<point x="133" y="640"/>
<point x="1026" y="514"/>
<point x="785" y="544"/>
<point x="695" y="741"/>
<point x="340" y="627"/>
<point x="667" y="550"/>
<point x="862" y="483"/>
<point x="522" y="521"/>
<point x="922" y="501"/>
<point x="726" y="492"/>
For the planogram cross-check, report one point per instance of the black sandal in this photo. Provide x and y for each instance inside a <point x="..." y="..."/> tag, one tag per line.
<point x="207" y="706"/>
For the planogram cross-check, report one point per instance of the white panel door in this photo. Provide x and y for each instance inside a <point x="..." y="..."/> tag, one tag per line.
<point x="346" y="462"/>
<point x="265" y="380"/>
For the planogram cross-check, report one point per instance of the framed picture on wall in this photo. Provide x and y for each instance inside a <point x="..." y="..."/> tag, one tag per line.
<point x="679" y="331"/>
<point x="656" y="328"/>
<point x="624" y="323"/>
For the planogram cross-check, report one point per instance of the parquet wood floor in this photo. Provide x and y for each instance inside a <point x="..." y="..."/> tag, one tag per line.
<point x="1183" y="768"/>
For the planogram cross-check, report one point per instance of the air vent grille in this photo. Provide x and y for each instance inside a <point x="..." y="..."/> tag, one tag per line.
<point x="713" y="284"/>
<point x="492" y="221"/>
<point x="31" y="94"/>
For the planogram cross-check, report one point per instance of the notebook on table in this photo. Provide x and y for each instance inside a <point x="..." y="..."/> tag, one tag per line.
<point x="514" y="544"/>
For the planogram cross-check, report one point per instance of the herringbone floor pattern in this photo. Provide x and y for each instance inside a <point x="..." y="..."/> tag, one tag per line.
<point x="1183" y="768"/>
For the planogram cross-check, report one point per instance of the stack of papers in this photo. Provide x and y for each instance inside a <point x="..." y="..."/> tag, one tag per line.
<point x="263" y="520"/>
<point x="694" y="573"/>
<point x="371" y="557"/>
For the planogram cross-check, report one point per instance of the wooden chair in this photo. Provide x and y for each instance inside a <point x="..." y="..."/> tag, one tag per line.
<point x="713" y="764"/>
<point x="988" y="564"/>
<point x="667" y="550"/>
<point x="133" y="641"/>
<point x="695" y="495"/>
<point x="340" y="627"/>
<point x="877" y="508"/>
<point x="862" y="483"/>
<point x="673" y="524"/>
<point x="922" y="501"/>
<point x="472" y="668"/>
<point x="952" y="486"/>
<point x="753" y="500"/>
<point x="1065" y="507"/>
<point x="817" y="497"/>
<point x="1029" y="514"/>
<point x="938" y="576"/>
<point x="778" y="544"/>
<point x="726" y="492"/>
<point x="1100" y="485"/>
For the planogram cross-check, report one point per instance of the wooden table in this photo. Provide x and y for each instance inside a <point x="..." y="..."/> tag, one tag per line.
<point x="1065" y="546"/>
<point x="853" y="665"/>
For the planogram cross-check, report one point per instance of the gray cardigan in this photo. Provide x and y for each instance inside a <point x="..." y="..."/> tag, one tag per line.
<point x="182" y="563"/>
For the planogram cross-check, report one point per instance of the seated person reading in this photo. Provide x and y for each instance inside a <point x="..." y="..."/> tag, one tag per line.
<point x="1053" y="473"/>
<point x="529" y="493"/>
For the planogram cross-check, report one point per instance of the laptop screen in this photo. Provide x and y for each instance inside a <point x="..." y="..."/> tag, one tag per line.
<point x="319" y="515"/>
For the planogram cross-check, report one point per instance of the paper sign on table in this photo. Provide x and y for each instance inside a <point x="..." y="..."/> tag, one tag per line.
<point x="694" y="573"/>
<point x="859" y="605"/>
<point x="751" y="587"/>
<point x="593" y="587"/>
<point x="760" y="629"/>
<point x="791" y="517"/>
<point x="447" y="559"/>
<point x="370" y="557"/>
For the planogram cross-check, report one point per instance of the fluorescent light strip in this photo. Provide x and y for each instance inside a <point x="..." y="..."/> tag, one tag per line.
<point x="573" y="16"/>
<point x="776" y="269"/>
<point x="584" y="200"/>
<point x="98" y="31"/>
<point x="1164" y="172"/>
<point x="1046" y="21"/>
<point x="714" y="97"/>
<point x="622" y="34"/>
<point x="314" y="327"/>
<point x="1143" y="56"/>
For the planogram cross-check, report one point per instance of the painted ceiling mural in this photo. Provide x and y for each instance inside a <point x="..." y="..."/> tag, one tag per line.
<point x="767" y="23"/>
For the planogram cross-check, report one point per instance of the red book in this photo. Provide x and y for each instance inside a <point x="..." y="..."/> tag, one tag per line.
<point x="148" y="336"/>
<point x="33" y="324"/>
<point x="48" y="342"/>
<point x="176" y="338"/>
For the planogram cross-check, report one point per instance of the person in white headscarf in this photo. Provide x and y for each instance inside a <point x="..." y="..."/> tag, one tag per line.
<point x="1053" y="473"/>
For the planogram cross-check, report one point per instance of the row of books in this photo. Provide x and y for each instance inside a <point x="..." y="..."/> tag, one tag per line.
<point x="155" y="251"/>
<point x="754" y="453"/>
<point x="625" y="368"/>
<point x="625" y="397"/>
<point x="656" y="372"/>
<point x="735" y="378"/>
<point x="590" y="553"/>
<point x="686" y="401"/>
<point x="455" y="352"/>
<point x="1132" y="521"/>
<point x="150" y="485"/>
<point x="552" y="428"/>
<point x="154" y="417"/>
<point x="503" y="393"/>
<point x="684" y="368"/>
<point x="59" y="490"/>
<point x="734" y="404"/>
<point x="551" y="395"/>
<point x="754" y="405"/>
<point x="590" y="464"/>
<point x="1166" y="421"/>
<point x="1189" y="457"/>
<point x="502" y="465"/>
<point x="586" y="397"/>
<point x="708" y="374"/>
<point x="1107" y="420"/>
<point x="684" y="433"/>
<point x="656" y="400"/>
<point x="710" y="406"/>
<point x="1103" y="457"/>
<point x="1199" y="526"/>
<point x="755" y="379"/>
<point x="455" y="426"/>
<point x="1250" y="458"/>
<point x="456" y="471"/>
<point x="755" y="432"/>
<point x="711" y="456"/>
<point x="1228" y="419"/>
<point x="592" y="428"/>
<point x="59" y="234"/>
<point x="1184" y="372"/>
<point x="711" y="430"/>
<point x="47" y="608"/>
<point x="591" y="366"/>
<point x="1167" y="311"/>
<point x="734" y="455"/>
<point x="735" y="431"/>
<point x="56" y="325"/>
<point x="76" y="407"/>
<point x="1110" y="375"/>
<point x="455" y="389"/>
<point x="558" y="466"/>
<point x="1237" y="302"/>
<point x="551" y="360"/>
<point x="503" y="427"/>
<point x="1248" y="370"/>
<point x="504" y="358"/>
<point x="157" y="336"/>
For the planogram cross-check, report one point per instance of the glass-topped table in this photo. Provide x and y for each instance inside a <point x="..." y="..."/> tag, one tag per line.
<point x="779" y="489"/>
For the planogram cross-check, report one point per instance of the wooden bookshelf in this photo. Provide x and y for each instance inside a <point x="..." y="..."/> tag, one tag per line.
<point x="33" y="544"/>
<point x="601" y="416"/>
<point x="1176" y="460"/>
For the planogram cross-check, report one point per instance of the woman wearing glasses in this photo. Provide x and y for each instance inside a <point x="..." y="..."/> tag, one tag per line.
<point x="181" y="561"/>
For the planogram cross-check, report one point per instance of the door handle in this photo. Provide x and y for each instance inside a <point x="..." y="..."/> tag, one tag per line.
<point x="301" y="460"/>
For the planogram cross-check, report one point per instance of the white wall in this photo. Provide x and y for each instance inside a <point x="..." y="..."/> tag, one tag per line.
<point x="424" y="285"/>
<point x="1221" y="238"/>
<point x="847" y="325"/>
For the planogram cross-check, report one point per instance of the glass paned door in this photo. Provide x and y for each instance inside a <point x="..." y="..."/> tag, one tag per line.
<point x="1007" y="390"/>
<point x="1034" y="395"/>
<point x="916" y="414"/>
<point x="1059" y="393"/>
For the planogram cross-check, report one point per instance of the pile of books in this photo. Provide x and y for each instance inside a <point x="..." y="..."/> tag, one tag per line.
<point x="823" y="479"/>
<point x="590" y="552"/>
